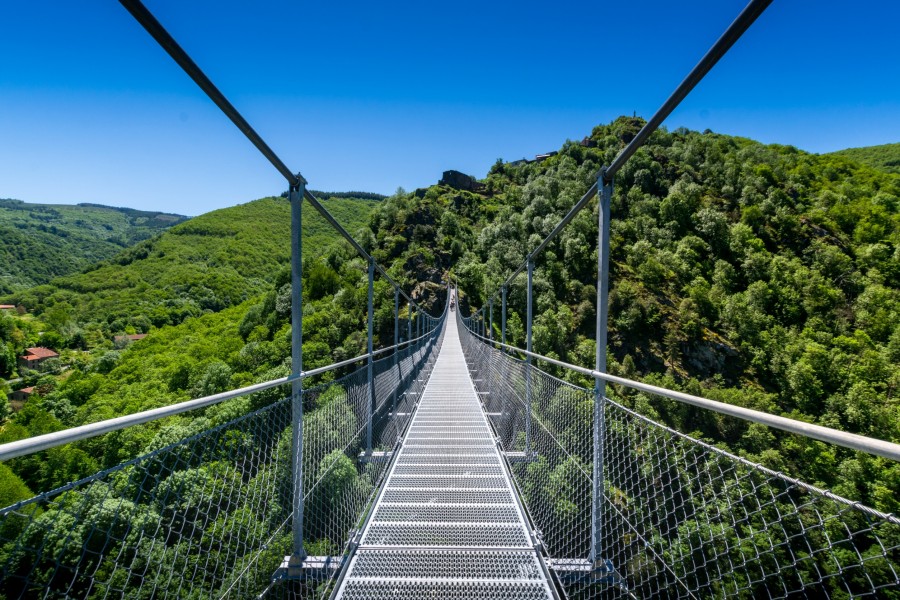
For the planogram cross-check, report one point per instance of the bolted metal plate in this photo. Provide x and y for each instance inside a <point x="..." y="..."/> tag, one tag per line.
<point x="457" y="451"/>
<point x="453" y="535"/>
<point x="447" y="564"/>
<point x="444" y="481"/>
<point x="444" y="460"/>
<point x="445" y="495"/>
<point x="455" y="513"/>
<point x="461" y="470"/>
<point x="444" y="590"/>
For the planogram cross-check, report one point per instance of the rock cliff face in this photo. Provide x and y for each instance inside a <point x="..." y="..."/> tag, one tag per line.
<point x="461" y="181"/>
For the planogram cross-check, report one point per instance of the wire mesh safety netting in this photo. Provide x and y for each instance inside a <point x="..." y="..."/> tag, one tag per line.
<point x="679" y="517"/>
<point x="211" y="515"/>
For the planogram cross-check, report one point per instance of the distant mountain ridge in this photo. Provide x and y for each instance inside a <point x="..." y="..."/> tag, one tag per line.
<point x="885" y="157"/>
<point x="357" y="195"/>
<point x="41" y="241"/>
<point x="133" y="212"/>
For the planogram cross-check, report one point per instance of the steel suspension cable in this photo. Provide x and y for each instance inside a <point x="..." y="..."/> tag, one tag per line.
<point x="168" y="43"/>
<point x="734" y="32"/>
<point x="180" y="56"/>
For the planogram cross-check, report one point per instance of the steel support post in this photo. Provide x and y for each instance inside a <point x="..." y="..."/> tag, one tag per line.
<point x="503" y="316"/>
<point x="298" y="554"/>
<point x="502" y="364"/>
<point x="489" y="363"/>
<point x="528" y="358"/>
<point x="490" y="334"/>
<point x="396" y="348"/>
<point x="409" y="317"/>
<point x="605" y="198"/>
<point x="371" y="385"/>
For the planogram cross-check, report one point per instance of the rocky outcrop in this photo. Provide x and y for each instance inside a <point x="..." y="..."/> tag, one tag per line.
<point x="461" y="181"/>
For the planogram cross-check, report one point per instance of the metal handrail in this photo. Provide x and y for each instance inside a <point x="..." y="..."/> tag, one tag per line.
<point x="737" y="28"/>
<point x="90" y="430"/>
<point x="824" y="434"/>
<point x="356" y="246"/>
<point x="83" y="432"/>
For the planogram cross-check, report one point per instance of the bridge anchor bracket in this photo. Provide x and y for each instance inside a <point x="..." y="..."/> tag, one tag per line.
<point x="519" y="457"/>
<point x="311" y="567"/>
<point x="581" y="570"/>
<point x="376" y="456"/>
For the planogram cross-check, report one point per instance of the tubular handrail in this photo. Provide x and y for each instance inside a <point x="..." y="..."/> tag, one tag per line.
<point x="359" y="249"/>
<point x="824" y="434"/>
<point x="83" y="432"/>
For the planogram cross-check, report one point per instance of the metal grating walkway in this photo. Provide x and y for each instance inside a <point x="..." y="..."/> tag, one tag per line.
<point x="447" y="523"/>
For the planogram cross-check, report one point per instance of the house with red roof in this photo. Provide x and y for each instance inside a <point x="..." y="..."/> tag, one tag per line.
<point x="35" y="356"/>
<point x="17" y="398"/>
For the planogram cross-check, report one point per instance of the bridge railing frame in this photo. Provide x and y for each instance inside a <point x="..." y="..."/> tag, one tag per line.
<point x="758" y="530"/>
<point x="47" y="441"/>
<point x="821" y="433"/>
<point x="35" y="560"/>
<point x="298" y="192"/>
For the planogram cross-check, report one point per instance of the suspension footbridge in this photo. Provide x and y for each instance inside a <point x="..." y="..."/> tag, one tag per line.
<point x="448" y="465"/>
<point x="447" y="522"/>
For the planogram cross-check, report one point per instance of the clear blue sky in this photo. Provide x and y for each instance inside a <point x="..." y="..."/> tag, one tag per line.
<point x="372" y="96"/>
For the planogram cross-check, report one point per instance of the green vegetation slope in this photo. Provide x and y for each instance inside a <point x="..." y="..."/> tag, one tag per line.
<point x="757" y="275"/>
<point x="211" y="262"/>
<point x="43" y="241"/>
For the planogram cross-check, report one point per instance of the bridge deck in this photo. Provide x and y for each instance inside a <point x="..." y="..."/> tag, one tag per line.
<point x="447" y="523"/>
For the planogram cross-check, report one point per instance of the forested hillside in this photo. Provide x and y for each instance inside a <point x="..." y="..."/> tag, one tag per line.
<point x="756" y="275"/>
<point x="41" y="241"/>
